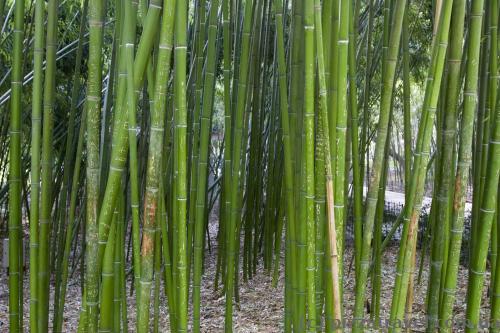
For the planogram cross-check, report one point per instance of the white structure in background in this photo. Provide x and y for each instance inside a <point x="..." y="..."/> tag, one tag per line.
<point x="5" y="252"/>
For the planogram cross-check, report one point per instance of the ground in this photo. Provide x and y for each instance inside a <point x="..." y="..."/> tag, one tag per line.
<point x="261" y="306"/>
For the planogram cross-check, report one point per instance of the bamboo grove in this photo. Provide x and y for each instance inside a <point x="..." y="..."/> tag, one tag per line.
<point x="132" y="129"/>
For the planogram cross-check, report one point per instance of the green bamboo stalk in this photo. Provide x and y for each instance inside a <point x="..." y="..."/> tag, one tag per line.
<point x="71" y="224"/>
<point x="236" y="161"/>
<point x="110" y="119"/>
<point x="296" y="103"/>
<point x="320" y="218"/>
<point x="155" y="162"/>
<point x="107" y="281"/>
<point x="273" y="223"/>
<point x="377" y="239"/>
<point x="478" y="262"/>
<point x="114" y="79"/>
<point x="243" y="157"/>
<point x="159" y="107"/>
<point x="444" y="197"/>
<point x="194" y="137"/>
<point x="333" y="84"/>
<point x="354" y="123"/>
<point x="413" y="207"/>
<point x="247" y="224"/>
<point x="94" y="83"/>
<point x="261" y="91"/>
<point x="406" y="104"/>
<point x="341" y="129"/>
<point x="301" y="241"/>
<point x="181" y="181"/>
<point x="487" y="99"/>
<point x="252" y="232"/>
<point x="379" y="213"/>
<point x="157" y="277"/>
<point x="488" y="199"/>
<point x="120" y="125"/>
<point x="288" y="163"/>
<point x="131" y="11"/>
<point x="382" y="133"/>
<point x="120" y="137"/>
<point x="326" y="22"/>
<point x="61" y="281"/>
<point x="481" y="136"/>
<point x="492" y="99"/>
<point x="61" y="199"/>
<point x="308" y="162"/>
<point x="366" y="92"/>
<point x="225" y="197"/>
<point x="167" y="263"/>
<point x="117" y="264"/>
<point x="495" y="304"/>
<point x="47" y="171"/>
<point x="289" y="306"/>
<point x="174" y="234"/>
<point x="464" y="152"/>
<point x="119" y="298"/>
<point x="202" y="167"/>
<point x="36" y="133"/>
<point x="15" y="186"/>
<point x="333" y="288"/>
<point x="123" y="293"/>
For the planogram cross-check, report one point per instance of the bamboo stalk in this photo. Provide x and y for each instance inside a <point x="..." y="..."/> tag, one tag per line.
<point x="96" y="22"/>
<point x="180" y="167"/>
<point x="413" y="207"/>
<point x="444" y="196"/>
<point x="15" y="218"/>
<point x="382" y="133"/>
<point x="36" y="133"/>
<point x="47" y="169"/>
<point x="236" y="162"/>
<point x="202" y="167"/>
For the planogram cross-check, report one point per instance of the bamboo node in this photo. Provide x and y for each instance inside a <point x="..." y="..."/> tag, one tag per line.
<point x="437" y="263"/>
<point x="165" y="47"/>
<point x="449" y="291"/>
<point x="154" y="5"/>
<point x="476" y="272"/>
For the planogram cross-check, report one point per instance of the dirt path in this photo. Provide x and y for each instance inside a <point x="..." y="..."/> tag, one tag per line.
<point x="261" y="305"/>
